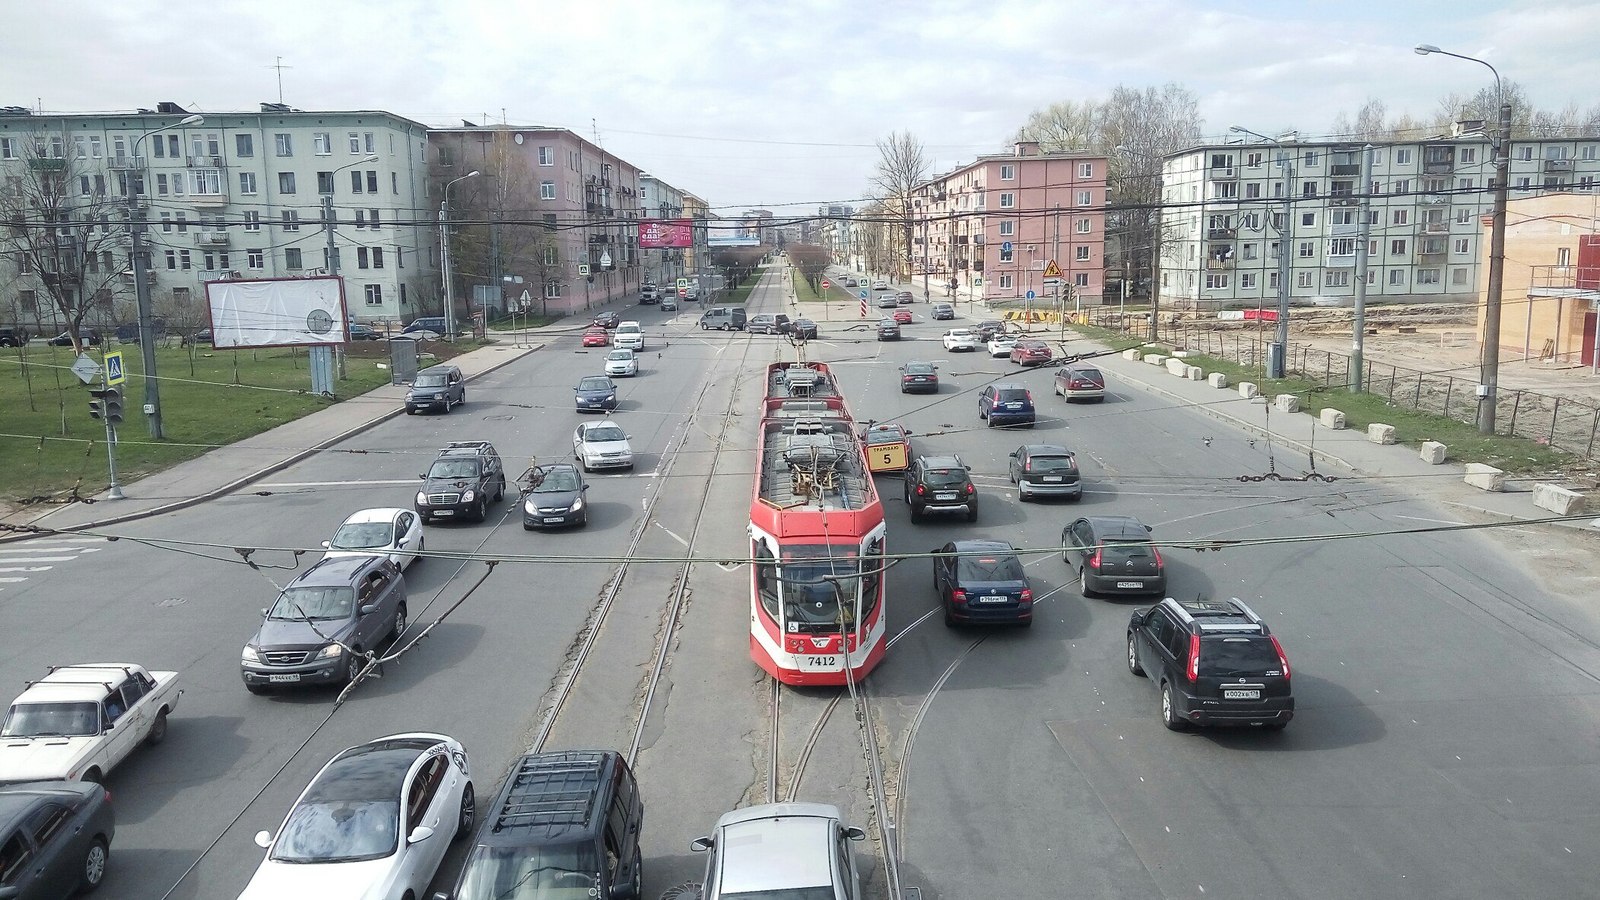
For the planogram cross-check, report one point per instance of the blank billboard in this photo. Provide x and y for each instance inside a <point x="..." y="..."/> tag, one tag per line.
<point x="277" y="312"/>
<point x="657" y="234"/>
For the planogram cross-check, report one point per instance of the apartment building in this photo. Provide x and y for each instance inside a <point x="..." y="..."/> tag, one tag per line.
<point x="833" y="229"/>
<point x="662" y="266"/>
<point x="697" y="259"/>
<point x="1550" y="300"/>
<point x="992" y="227"/>
<point x="236" y="195"/>
<point x="547" y="206"/>
<point x="1229" y="209"/>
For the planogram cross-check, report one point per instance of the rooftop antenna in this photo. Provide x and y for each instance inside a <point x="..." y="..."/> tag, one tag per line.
<point x="280" y="67"/>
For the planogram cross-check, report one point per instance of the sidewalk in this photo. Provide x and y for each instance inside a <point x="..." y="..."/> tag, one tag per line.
<point x="1299" y="437"/>
<point x="229" y="468"/>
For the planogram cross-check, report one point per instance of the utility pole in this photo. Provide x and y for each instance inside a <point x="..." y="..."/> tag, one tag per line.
<point x="444" y="257"/>
<point x="1363" y="234"/>
<point x="1490" y="375"/>
<point x="333" y="268"/>
<point x="1277" y="352"/>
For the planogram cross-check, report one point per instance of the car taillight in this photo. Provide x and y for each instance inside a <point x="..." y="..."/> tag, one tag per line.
<point x="108" y="794"/>
<point x="1027" y="596"/>
<point x="1194" y="657"/>
<point x="921" y="490"/>
<point x="1027" y="466"/>
<point x="1283" y="660"/>
<point x="958" y="596"/>
<point x="1028" y="395"/>
<point x="971" y="489"/>
<point x="1158" y="556"/>
<point x="1094" y="559"/>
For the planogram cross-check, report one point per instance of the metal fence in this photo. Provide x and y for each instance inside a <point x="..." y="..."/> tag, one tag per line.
<point x="1561" y="422"/>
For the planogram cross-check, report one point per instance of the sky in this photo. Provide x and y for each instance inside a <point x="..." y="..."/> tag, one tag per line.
<point x="779" y="104"/>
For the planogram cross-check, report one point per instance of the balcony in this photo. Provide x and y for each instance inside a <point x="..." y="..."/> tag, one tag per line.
<point x="206" y="162"/>
<point x="149" y="276"/>
<point x="47" y="164"/>
<point x="1340" y="261"/>
<point x="599" y="238"/>
<point x="961" y="240"/>
<point x="1434" y="228"/>
<point x="1222" y="173"/>
<point x="1565" y="281"/>
<point x="1436" y="200"/>
<point x="1342" y="170"/>
<point x="212" y="239"/>
<point x="1558" y="165"/>
<point x="1343" y="200"/>
<point x="126" y="162"/>
<point x="1216" y="264"/>
<point x="1221" y="234"/>
<point x="1431" y="259"/>
<point x="1445" y="167"/>
<point x="977" y="265"/>
<point x="218" y="199"/>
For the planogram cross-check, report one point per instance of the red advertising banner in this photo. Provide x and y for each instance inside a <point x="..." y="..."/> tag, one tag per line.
<point x="656" y="234"/>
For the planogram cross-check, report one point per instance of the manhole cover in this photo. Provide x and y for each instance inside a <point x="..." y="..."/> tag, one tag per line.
<point x="171" y="601"/>
<point x="497" y="418"/>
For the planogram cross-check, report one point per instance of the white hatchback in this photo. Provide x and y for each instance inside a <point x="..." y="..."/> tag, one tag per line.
<point x="1002" y="345"/>
<point x="622" y="362"/>
<point x="960" y="339"/>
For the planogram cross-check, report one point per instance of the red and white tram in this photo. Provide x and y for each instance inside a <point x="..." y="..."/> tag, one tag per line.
<point x="816" y="534"/>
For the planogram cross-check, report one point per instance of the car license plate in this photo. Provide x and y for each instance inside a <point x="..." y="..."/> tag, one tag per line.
<point x="1052" y="479"/>
<point x="944" y="496"/>
<point x="554" y="520"/>
<point x="993" y="599"/>
<point x="1236" y="694"/>
<point x="444" y="512"/>
<point x="1130" y="584"/>
<point x="1013" y="406"/>
<point x="283" y="679"/>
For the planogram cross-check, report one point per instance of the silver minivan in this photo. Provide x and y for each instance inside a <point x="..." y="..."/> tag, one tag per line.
<point x="781" y="849"/>
<point x="723" y="318"/>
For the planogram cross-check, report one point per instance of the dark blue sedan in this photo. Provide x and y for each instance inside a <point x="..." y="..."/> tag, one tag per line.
<point x="595" y="393"/>
<point x="982" y="581"/>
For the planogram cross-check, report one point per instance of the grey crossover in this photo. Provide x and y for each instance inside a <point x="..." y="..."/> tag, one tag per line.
<point x="321" y="625"/>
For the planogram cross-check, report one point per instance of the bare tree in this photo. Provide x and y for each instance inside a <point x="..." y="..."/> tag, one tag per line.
<point x="812" y="261"/>
<point x="902" y="165"/>
<point x="1067" y="125"/>
<point x="60" y="229"/>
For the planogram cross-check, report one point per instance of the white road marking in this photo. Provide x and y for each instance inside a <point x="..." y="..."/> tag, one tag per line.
<point x="300" y="484"/>
<point x="27" y="568"/>
<point x="37" y="559"/>
<point x="673" y="535"/>
<point x="1435" y="521"/>
<point x="12" y="580"/>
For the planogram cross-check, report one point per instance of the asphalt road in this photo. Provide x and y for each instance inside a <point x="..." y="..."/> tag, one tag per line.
<point x="1445" y="743"/>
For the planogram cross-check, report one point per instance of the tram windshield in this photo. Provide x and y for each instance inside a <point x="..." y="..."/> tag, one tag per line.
<point x="810" y="604"/>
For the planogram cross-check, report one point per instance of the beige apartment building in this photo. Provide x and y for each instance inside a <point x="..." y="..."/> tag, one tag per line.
<point x="1551" y="292"/>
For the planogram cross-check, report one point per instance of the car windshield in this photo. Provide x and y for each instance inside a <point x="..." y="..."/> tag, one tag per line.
<point x="944" y="477"/>
<point x="1051" y="464"/>
<point x="1221" y="657"/>
<point x="990" y="567"/>
<point x="453" y="468"/>
<point x="429" y="381"/>
<point x="362" y="536"/>
<point x="559" y="481"/>
<point x="602" y="433"/>
<point x="339" y="831"/>
<point x="530" y="873"/>
<point x="594" y="384"/>
<point x="811" y="604"/>
<point x="316" y="603"/>
<point x="621" y="355"/>
<point x="51" y="720"/>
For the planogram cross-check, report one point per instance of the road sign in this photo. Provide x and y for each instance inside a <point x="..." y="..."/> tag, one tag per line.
<point x="85" y="368"/>
<point x="862" y="294"/>
<point x="1052" y="270"/>
<point x="1031" y="295"/>
<point x="527" y="301"/>
<point x="1005" y="246"/>
<point x="605" y="260"/>
<point x="683" y="282"/>
<point x="825" y="284"/>
<point x="583" y="268"/>
<point x="114" y="372"/>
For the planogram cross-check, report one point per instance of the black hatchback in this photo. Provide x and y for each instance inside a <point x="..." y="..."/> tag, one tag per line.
<point x="1214" y="661"/>
<point x="1113" y="555"/>
<point x="55" y="838"/>
<point x="982" y="581"/>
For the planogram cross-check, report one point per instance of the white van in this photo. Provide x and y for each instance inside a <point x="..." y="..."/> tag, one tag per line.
<point x="628" y="336"/>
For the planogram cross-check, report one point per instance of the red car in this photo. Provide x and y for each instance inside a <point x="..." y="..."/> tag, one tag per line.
<point x="607" y="320"/>
<point x="903" y="316"/>
<point x="1030" y="353"/>
<point x="596" y="337"/>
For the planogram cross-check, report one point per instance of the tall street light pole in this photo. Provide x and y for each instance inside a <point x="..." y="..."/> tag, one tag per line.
<point x="141" y="290"/>
<point x="444" y="256"/>
<point x="1278" y="352"/>
<point x="333" y="252"/>
<point x="1489" y="372"/>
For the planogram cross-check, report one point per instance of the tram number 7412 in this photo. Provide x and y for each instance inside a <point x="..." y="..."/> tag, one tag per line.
<point x="819" y="662"/>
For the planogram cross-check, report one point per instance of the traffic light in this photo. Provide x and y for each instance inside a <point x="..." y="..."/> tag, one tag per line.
<point x="106" y="405"/>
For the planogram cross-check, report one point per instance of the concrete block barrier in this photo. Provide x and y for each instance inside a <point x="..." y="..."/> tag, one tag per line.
<point x="1557" y="499"/>
<point x="1196" y="373"/>
<point x="1485" y="478"/>
<point x="1180" y="354"/>
<point x="1248" y="390"/>
<point x="1155" y="359"/>
<point x="1434" y="453"/>
<point x="1132" y="354"/>
<point x="1286" y="403"/>
<point x="1380" y="434"/>
<point x="1217" y="380"/>
<point x="1331" y="418"/>
<point x="1177" y="367"/>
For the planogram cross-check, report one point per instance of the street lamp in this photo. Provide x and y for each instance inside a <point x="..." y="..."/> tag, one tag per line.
<point x="141" y="291"/>
<point x="1489" y="371"/>
<point x="444" y="255"/>
<point x="1278" y="352"/>
<point x="333" y="252"/>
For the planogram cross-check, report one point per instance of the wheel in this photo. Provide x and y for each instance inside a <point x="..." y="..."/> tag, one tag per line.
<point x="483" y="509"/>
<point x="949" y="620"/>
<point x="526" y="527"/>
<point x="463" y="399"/>
<point x="158" y="730"/>
<point x="1022" y="495"/>
<point x="399" y="622"/>
<point x="93" y="870"/>
<point x="1025" y="623"/>
<point x="1169" y="711"/>
<point x="988" y="422"/>
<point x="352" y="667"/>
<point x="469" y="813"/>
<point x="704" y="326"/>
<point x="1083" y="583"/>
<point x="422" y="544"/>
<point x="1133" y="657"/>
<point x="500" y="491"/>
<point x="410" y="411"/>
<point x="92" y="776"/>
<point x="916" y="514"/>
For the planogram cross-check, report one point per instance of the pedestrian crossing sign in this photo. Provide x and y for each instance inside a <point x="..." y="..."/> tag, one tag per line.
<point x="114" y="371"/>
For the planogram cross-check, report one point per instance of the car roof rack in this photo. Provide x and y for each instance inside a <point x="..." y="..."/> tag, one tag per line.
<point x="457" y="448"/>
<point x="1226" y="615"/>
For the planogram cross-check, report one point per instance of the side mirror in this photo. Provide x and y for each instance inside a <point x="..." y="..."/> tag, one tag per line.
<point x="968" y="468"/>
<point x="1148" y="528"/>
<point x="263" y="612"/>
<point x="419" y="834"/>
<point x="423" y="475"/>
<point x="585" y="487"/>
<point x="326" y="544"/>
<point x="1014" y="454"/>
<point x="368" y="609"/>
<point x="701" y="844"/>
<point x="263" y="839"/>
<point x="855" y="834"/>
<point x="1137" y="620"/>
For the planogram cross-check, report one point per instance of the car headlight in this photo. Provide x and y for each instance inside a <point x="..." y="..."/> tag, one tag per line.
<point x="249" y="654"/>
<point x="422" y="497"/>
<point x="529" y="507"/>
<point x="577" y="504"/>
<point x="467" y="495"/>
<point x="330" y="651"/>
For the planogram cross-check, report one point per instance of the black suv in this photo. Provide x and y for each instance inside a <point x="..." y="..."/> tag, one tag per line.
<point x="940" y="484"/>
<point x="564" y="824"/>
<point x="1215" y="662"/>
<point x="982" y="581"/>
<point x="462" y="482"/>
<point x="436" y="387"/>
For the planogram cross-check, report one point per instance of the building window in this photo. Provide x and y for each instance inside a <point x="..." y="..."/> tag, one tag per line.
<point x="1427" y="276"/>
<point x="372" y="181"/>
<point x="1468" y="155"/>
<point x="361" y="218"/>
<point x="1005" y="281"/>
<point x="1008" y="173"/>
<point x="394" y="183"/>
<point x="284" y="144"/>
<point x="1397" y="247"/>
<point x="97" y="147"/>
<point x="183" y="223"/>
<point x="184" y="262"/>
<point x="1309" y="159"/>
<point x="1302" y="279"/>
<point x="1008" y="228"/>
<point x="547" y="190"/>
<point x="1308" y="189"/>
<point x="1247" y="280"/>
<point x="244" y="145"/>
<point x="1400" y="217"/>
<point x="322" y="143"/>
<point x="1081" y="226"/>
<point x="1085" y="198"/>
<point x="1252" y="191"/>
<point x="285" y="182"/>
<point x="1006" y="254"/>
<point x="549" y="221"/>
<point x="1309" y="220"/>
<point x="1402" y="156"/>
<point x="325" y="183"/>
<point x="372" y="219"/>
<point x="1342" y="247"/>
<point x="1216" y="280"/>
<point x="374" y="294"/>
<point x="252" y="220"/>
<point x="1085" y="170"/>
<point x="1008" y="200"/>
<point x="1458" y="277"/>
<point x="247" y="183"/>
<point x="547" y="156"/>
<point x="1272" y="280"/>
<point x="1224" y="190"/>
<point x="172" y="260"/>
<point x="1336" y="279"/>
<point x="1463" y="216"/>
<point x="1307" y="250"/>
<point x="254" y="259"/>
<point x="355" y="143"/>
<point x="377" y="257"/>
<point x="1462" y="245"/>
<point x="1081" y="253"/>
<point x="361" y="257"/>
<point x="369" y="139"/>
<point x="291" y="220"/>
<point x="1081" y="279"/>
<point x="1397" y="276"/>
<point x="355" y="182"/>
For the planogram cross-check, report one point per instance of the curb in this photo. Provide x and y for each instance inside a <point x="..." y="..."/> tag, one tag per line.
<point x="245" y="480"/>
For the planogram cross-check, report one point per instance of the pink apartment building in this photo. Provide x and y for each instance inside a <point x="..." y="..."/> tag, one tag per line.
<point x="994" y="225"/>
